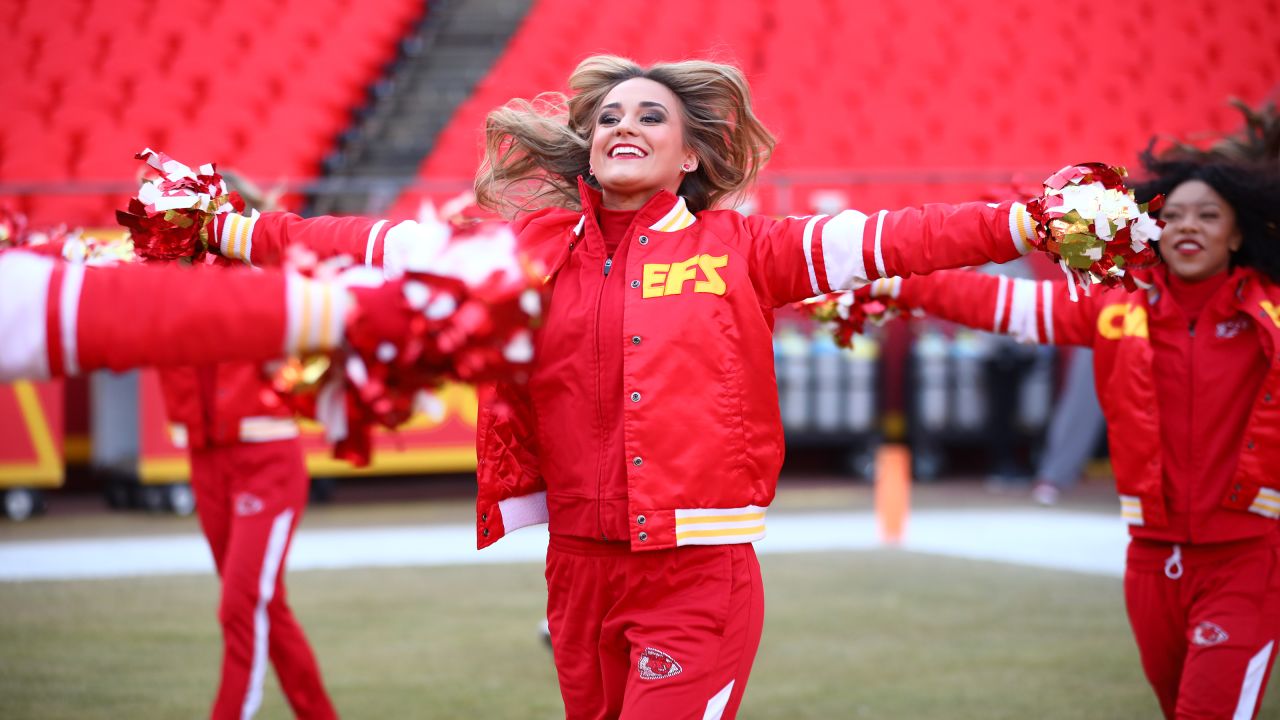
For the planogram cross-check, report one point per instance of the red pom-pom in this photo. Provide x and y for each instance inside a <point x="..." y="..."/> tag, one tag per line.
<point x="172" y="216"/>
<point x="1090" y="224"/>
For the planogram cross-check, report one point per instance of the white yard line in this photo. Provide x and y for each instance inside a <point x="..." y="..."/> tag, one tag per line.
<point x="1080" y="542"/>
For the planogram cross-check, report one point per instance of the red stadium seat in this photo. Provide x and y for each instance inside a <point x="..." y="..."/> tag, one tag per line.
<point x="263" y="85"/>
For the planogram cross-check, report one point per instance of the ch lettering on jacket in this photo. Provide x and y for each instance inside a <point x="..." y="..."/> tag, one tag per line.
<point x="661" y="279"/>
<point x="1117" y="321"/>
<point x="1272" y="310"/>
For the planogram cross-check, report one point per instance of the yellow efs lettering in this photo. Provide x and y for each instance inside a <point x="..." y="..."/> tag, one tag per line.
<point x="654" y="280"/>
<point x="660" y="279"/>
<point x="1117" y="321"/>
<point x="714" y="284"/>
<point x="681" y="273"/>
<point x="1272" y="310"/>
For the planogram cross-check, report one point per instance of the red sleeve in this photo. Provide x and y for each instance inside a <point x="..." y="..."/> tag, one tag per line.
<point x="1038" y="311"/>
<point x="262" y="239"/>
<point x="814" y="255"/>
<point x="137" y="315"/>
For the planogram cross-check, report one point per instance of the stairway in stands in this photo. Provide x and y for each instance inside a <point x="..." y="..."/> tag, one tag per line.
<point x="441" y="65"/>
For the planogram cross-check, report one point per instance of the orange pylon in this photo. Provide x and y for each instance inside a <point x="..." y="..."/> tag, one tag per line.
<point x="893" y="491"/>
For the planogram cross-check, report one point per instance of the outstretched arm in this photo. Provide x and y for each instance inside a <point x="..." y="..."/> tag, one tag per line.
<point x="1029" y="310"/>
<point x="798" y="258"/>
<point x="62" y="319"/>
<point x="263" y="239"/>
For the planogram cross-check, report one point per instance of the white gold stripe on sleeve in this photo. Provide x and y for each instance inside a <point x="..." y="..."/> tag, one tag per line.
<point x="72" y="281"/>
<point x="1002" y="297"/>
<point x="807" y="241"/>
<point x="1046" y="305"/>
<point x="879" y="253"/>
<point x="317" y="312"/>
<point x="24" y="310"/>
<point x="1021" y="228"/>
<point x="1022" y="312"/>
<point x="842" y="250"/>
<point x="373" y="238"/>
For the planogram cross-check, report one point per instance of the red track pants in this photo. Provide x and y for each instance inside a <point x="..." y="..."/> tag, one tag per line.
<point x="1207" y="622"/>
<point x="249" y="498"/>
<point x="665" y="634"/>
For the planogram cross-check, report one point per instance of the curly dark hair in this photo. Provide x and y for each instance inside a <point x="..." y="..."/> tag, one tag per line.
<point x="1252" y="188"/>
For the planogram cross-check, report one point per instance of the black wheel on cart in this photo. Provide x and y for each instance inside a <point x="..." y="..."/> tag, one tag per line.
<point x="180" y="499"/>
<point x="153" y="498"/>
<point x="21" y="503"/>
<point x="117" y="493"/>
<point x="322" y="489"/>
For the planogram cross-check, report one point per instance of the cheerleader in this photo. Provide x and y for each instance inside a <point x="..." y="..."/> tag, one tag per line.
<point x="1188" y="375"/>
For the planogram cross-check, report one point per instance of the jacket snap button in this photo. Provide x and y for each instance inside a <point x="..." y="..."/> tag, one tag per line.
<point x="635" y="340"/>
<point x="644" y="536"/>
<point x="637" y="462"/>
<point x="635" y="283"/>
<point x="1233" y="498"/>
<point x="640" y="520"/>
<point x="644" y="239"/>
<point x="484" y="517"/>
<point x="485" y="532"/>
<point x="635" y="397"/>
<point x="1239" y="486"/>
<point x="1265" y="398"/>
<point x="1249" y="445"/>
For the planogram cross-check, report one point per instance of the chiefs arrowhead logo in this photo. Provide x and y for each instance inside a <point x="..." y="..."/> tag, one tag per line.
<point x="655" y="665"/>
<point x="248" y="504"/>
<point x="1207" y="633"/>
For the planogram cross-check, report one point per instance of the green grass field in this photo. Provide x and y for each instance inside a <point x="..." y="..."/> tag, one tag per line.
<point x="883" y="634"/>
<point x="847" y="635"/>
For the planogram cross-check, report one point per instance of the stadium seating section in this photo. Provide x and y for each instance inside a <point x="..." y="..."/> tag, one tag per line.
<point x="925" y="99"/>
<point x="874" y="103"/>
<point x="262" y="86"/>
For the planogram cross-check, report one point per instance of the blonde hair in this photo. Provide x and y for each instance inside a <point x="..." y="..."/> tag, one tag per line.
<point x="536" y="150"/>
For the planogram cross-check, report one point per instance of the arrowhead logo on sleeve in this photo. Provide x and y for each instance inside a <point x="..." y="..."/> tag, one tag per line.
<point x="656" y="665"/>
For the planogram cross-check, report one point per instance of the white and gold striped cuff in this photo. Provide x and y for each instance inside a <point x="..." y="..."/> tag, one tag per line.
<point x="236" y="240"/>
<point x="316" y="313"/>
<point x="1022" y="228"/>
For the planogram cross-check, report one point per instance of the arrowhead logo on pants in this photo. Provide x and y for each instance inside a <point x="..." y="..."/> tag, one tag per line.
<point x="248" y="504"/>
<point x="1207" y="633"/>
<point x="655" y="665"/>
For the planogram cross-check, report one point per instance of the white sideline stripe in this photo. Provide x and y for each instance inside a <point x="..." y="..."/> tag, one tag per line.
<point x="271" y="561"/>
<point x="717" y="704"/>
<point x="1253" y="683"/>
<point x="1092" y="543"/>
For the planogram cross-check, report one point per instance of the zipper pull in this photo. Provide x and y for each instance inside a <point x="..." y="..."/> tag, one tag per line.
<point x="608" y="263"/>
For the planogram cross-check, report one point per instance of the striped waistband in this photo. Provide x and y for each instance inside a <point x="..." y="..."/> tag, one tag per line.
<point x="719" y="526"/>
<point x="252" y="429"/>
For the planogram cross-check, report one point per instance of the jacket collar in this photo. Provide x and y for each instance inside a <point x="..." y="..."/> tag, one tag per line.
<point x="1239" y="279"/>
<point x="664" y="212"/>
